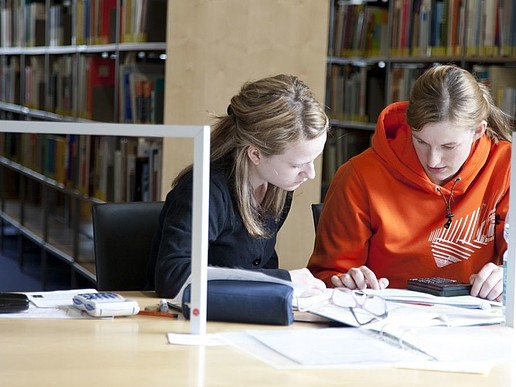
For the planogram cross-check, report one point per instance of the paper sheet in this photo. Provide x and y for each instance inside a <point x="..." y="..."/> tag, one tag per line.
<point x="56" y="298"/>
<point x="461" y="349"/>
<point x="51" y="305"/>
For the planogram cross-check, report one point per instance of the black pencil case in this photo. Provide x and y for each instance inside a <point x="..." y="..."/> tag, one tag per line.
<point x="246" y="302"/>
<point x="13" y="302"/>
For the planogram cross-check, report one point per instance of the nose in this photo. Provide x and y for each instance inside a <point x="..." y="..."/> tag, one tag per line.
<point x="433" y="158"/>
<point x="309" y="171"/>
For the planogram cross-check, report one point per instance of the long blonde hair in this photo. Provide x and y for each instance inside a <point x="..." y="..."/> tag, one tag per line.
<point x="450" y="93"/>
<point x="270" y="114"/>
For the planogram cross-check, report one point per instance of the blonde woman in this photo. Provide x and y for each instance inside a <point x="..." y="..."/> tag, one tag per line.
<point x="261" y="151"/>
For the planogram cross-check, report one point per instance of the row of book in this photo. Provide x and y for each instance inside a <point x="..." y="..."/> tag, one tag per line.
<point x="340" y="147"/>
<point x="87" y="90"/>
<point x="357" y="93"/>
<point x="502" y="82"/>
<point x="24" y="23"/>
<point x="105" y="167"/>
<point x="425" y="28"/>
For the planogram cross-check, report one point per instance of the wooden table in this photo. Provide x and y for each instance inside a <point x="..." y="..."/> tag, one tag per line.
<point x="133" y="351"/>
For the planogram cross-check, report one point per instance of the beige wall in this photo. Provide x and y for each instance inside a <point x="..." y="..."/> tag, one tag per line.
<point x="213" y="47"/>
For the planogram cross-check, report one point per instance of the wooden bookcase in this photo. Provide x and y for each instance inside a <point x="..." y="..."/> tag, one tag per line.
<point x="210" y="49"/>
<point x="376" y="49"/>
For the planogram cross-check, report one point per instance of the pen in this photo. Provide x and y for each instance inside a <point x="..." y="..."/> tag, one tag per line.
<point x="175" y="307"/>
<point x="157" y="314"/>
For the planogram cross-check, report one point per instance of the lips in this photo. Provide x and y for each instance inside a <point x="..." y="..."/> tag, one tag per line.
<point x="436" y="170"/>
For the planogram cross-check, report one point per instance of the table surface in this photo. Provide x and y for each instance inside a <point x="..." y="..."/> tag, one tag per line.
<point x="134" y="351"/>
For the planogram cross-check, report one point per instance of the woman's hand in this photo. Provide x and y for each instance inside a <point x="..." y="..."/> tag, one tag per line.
<point x="359" y="278"/>
<point x="304" y="279"/>
<point x="488" y="283"/>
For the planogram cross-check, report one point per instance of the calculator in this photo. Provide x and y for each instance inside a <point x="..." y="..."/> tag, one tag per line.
<point x="105" y="304"/>
<point x="439" y="286"/>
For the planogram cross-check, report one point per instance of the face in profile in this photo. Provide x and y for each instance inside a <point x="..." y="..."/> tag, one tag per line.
<point x="291" y="168"/>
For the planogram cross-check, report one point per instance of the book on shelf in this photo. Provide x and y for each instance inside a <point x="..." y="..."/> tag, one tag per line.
<point x="6" y="37"/>
<point x="136" y="170"/>
<point x="100" y="89"/>
<point x="401" y="28"/>
<point x="141" y="93"/>
<point x="108" y="22"/>
<point x="442" y="27"/>
<point x="359" y="30"/>
<point x="60" y="25"/>
<point x="501" y="81"/>
<point x="10" y="81"/>
<point x="61" y="90"/>
<point x="104" y="167"/>
<point x="35" y="23"/>
<point x="143" y="21"/>
<point x="85" y="165"/>
<point x="59" y="158"/>
<point x="34" y="92"/>
<point x="13" y="24"/>
<point x="403" y="78"/>
<point x="72" y="161"/>
<point x="507" y="27"/>
<point x="356" y="93"/>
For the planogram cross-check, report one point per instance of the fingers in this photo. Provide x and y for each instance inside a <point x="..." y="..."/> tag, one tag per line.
<point x="359" y="278"/>
<point x="304" y="278"/>
<point x="383" y="282"/>
<point x="488" y="283"/>
<point x="310" y="292"/>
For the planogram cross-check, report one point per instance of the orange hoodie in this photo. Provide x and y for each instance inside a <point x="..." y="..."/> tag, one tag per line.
<point x="382" y="211"/>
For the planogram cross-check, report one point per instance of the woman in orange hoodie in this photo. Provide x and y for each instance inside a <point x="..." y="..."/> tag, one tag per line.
<point x="429" y="198"/>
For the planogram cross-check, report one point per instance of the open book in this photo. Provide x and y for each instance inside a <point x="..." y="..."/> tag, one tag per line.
<point x="412" y="309"/>
<point x="414" y="334"/>
<point x="455" y="349"/>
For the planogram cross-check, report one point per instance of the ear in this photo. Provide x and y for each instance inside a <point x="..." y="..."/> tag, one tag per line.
<point x="480" y="129"/>
<point x="254" y="155"/>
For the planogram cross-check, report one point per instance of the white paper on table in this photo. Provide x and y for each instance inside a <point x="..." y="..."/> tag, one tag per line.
<point x="56" y="298"/>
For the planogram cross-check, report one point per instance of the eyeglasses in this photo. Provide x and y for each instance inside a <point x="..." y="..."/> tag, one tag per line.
<point x="365" y="308"/>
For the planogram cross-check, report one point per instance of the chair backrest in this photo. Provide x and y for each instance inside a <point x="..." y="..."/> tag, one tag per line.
<point x="316" y="212"/>
<point x="122" y="234"/>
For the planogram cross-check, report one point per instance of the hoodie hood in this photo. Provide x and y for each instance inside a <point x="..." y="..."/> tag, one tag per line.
<point x="392" y="142"/>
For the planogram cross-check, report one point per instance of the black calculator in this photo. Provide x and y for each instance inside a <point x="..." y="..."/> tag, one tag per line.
<point x="439" y="286"/>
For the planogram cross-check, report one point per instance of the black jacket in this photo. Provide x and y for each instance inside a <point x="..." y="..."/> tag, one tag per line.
<point x="230" y="245"/>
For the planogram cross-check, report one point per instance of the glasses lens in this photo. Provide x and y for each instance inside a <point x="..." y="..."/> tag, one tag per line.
<point x="363" y="316"/>
<point x="374" y="305"/>
<point x="344" y="298"/>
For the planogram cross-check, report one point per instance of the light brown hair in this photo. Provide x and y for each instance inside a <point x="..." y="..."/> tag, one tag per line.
<point x="450" y="93"/>
<point x="270" y="114"/>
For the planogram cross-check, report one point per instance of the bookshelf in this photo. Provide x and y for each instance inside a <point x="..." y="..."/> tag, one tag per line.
<point x="376" y="50"/>
<point x="205" y="59"/>
<point x="78" y="61"/>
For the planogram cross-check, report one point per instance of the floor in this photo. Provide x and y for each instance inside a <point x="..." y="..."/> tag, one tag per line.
<point x="27" y="277"/>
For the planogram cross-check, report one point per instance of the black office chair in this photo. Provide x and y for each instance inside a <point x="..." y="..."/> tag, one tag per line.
<point x="316" y="212"/>
<point x="122" y="234"/>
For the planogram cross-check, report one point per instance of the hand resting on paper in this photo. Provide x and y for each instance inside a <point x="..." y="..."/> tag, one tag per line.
<point x="359" y="278"/>
<point x="488" y="283"/>
<point x="303" y="278"/>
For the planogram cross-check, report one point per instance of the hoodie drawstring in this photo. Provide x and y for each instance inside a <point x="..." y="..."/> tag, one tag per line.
<point x="447" y="203"/>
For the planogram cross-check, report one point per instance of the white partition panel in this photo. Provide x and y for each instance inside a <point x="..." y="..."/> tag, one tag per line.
<point x="510" y="264"/>
<point x="201" y="137"/>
